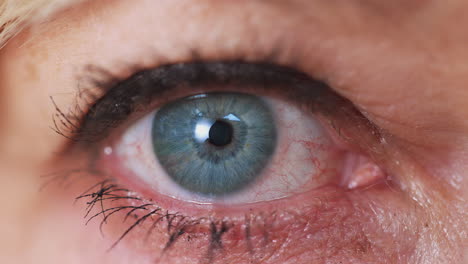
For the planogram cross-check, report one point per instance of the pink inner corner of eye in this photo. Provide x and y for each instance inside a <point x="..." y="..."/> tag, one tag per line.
<point x="360" y="171"/>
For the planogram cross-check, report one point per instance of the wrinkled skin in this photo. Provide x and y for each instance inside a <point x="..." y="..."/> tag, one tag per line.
<point x="402" y="63"/>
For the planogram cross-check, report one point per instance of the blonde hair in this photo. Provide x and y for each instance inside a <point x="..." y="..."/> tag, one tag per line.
<point x="17" y="14"/>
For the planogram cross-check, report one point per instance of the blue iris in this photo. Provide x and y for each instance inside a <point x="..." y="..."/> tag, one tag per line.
<point x="216" y="143"/>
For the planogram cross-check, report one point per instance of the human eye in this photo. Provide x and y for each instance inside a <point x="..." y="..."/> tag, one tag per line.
<point x="223" y="132"/>
<point x="213" y="145"/>
<point x="235" y="132"/>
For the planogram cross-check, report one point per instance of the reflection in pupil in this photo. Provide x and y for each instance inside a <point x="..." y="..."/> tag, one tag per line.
<point x="220" y="133"/>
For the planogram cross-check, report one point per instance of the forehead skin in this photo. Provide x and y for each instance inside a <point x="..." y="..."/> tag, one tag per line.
<point x="403" y="63"/>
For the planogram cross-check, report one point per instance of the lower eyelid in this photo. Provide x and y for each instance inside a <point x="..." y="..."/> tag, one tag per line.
<point x="290" y="216"/>
<point x="326" y="214"/>
<point x="329" y="214"/>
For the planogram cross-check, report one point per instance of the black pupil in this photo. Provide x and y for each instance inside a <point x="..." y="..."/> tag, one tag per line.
<point x="220" y="133"/>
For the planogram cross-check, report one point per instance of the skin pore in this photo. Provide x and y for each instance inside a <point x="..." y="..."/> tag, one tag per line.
<point x="401" y="63"/>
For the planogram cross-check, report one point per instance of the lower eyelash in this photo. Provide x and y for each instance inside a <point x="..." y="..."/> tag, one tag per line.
<point x="99" y="196"/>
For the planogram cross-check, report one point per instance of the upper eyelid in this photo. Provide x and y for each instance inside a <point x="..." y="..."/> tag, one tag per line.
<point x="284" y="46"/>
<point x="120" y="97"/>
<point x="280" y="47"/>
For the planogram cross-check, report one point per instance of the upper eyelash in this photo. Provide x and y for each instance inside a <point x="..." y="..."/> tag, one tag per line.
<point x="122" y="97"/>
